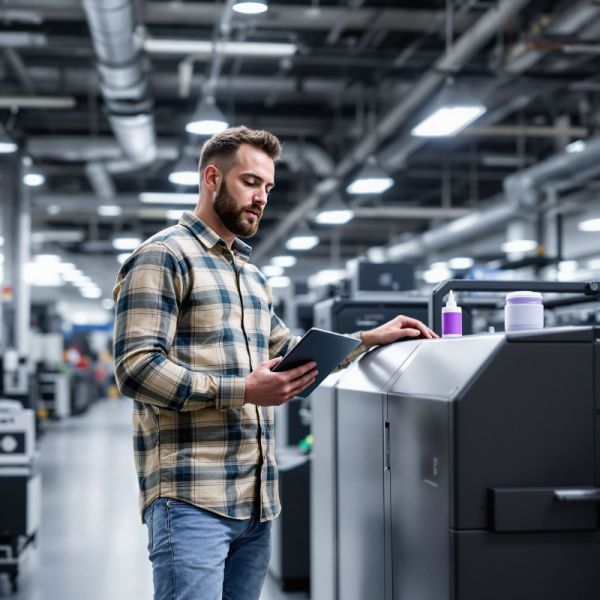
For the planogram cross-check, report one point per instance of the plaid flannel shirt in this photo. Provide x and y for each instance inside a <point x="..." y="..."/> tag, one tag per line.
<point x="192" y="320"/>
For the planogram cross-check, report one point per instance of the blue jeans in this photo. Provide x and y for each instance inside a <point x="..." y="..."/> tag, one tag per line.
<point x="199" y="555"/>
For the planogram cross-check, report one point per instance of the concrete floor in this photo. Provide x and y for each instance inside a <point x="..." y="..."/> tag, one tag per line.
<point x="92" y="544"/>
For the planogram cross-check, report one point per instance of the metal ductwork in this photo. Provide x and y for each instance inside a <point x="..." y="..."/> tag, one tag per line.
<point x="306" y="156"/>
<point x="123" y="82"/>
<point x="522" y="194"/>
<point x="79" y="148"/>
<point x="451" y="62"/>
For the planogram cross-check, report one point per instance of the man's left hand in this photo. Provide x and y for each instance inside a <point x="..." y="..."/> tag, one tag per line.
<point x="398" y="328"/>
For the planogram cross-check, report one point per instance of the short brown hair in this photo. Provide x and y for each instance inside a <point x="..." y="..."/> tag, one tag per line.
<point x="222" y="147"/>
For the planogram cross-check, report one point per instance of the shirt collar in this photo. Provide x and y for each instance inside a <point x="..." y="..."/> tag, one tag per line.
<point x="210" y="239"/>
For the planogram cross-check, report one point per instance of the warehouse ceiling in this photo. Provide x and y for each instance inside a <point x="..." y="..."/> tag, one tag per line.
<point x="363" y="74"/>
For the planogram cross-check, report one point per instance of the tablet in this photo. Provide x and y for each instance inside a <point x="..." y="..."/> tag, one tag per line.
<point x="326" y="348"/>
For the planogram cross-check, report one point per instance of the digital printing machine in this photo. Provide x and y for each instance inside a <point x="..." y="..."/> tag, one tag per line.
<point x="20" y="486"/>
<point x="460" y="469"/>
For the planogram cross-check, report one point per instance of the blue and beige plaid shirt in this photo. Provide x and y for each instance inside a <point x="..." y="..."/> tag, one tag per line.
<point x="192" y="320"/>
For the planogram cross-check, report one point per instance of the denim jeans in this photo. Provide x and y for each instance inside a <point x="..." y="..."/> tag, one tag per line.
<point x="199" y="555"/>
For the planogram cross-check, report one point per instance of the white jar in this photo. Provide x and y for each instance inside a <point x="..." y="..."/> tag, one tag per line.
<point x="523" y="311"/>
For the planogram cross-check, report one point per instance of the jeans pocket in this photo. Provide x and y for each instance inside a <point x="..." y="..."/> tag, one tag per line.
<point x="148" y="518"/>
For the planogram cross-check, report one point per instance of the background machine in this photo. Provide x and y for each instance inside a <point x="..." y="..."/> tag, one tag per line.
<point x="460" y="469"/>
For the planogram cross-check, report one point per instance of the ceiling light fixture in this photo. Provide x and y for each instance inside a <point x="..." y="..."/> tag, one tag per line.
<point x="519" y="246"/>
<point x="448" y="120"/>
<point x="207" y="119"/>
<point x="335" y="212"/>
<point x="126" y="243"/>
<point x="303" y="239"/>
<point x="251" y="8"/>
<point x="167" y="198"/>
<point x="285" y="261"/>
<point x="185" y="172"/>
<point x="207" y="48"/>
<point x="279" y="282"/>
<point x="7" y="144"/>
<point x="575" y="147"/>
<point x="109" y="210"/>
<point x="174" y="215"/>
<point x="461" y="262"/>
<point x="272" y="270"/>
<point x="370" y="180"/>
<point x="31" y="176"/>
<point x="589" y="225"/>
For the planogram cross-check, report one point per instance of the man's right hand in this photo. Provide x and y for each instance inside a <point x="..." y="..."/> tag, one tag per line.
<point x="267" y="388"/>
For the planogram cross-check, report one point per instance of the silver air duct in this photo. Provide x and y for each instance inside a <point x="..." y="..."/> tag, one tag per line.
<point x="522" y="193"/>
<point x="123" y="82"/>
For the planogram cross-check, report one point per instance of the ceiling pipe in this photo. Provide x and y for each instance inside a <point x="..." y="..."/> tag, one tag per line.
<point x="123" y="82"/>
<point x="451" y="62"/>
<point x="78" y="148"/>
<point x="522" y="196"/>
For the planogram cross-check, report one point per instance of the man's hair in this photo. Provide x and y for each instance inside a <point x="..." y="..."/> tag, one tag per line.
<point x="222" y="147"/>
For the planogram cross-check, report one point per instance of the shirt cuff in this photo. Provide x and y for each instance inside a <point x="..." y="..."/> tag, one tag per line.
<point x="230" y="392"/>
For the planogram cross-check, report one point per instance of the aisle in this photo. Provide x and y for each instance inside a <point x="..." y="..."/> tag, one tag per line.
<point x="92" y="544"/>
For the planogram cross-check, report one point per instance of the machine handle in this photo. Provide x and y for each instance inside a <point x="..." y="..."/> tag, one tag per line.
<point x="578" y="495"/>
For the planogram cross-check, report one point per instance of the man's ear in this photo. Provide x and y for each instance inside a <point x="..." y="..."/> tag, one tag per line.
<point x="211" y="177"/>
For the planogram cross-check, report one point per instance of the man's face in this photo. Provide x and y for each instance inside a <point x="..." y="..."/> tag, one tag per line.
<point x="243" y="193"/>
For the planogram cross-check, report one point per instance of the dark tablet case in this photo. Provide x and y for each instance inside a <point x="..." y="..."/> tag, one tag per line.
<point x="326" y="348"/>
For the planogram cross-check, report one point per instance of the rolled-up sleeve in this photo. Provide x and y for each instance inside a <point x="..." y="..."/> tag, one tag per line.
<point x="148" y="295"/>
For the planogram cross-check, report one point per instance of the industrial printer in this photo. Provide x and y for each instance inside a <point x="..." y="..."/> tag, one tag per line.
<point x="20" y="486"/>
<point x="460" y="469"/>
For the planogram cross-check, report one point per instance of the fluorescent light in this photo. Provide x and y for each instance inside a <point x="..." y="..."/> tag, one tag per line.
<point x="594" y="264"/>
<point x="174" y="215"/>
<point x="272" y="270"/>
<point x="302" y="242"/>
<point x="567" y="266"/>
<point x="123" y="257"/>
<point x="370" y="180"/>
<point x="199" y="47"/>
<point x="335" y="212"/>
<point x="7" y="147"/>
<point x="461" y="262"/>
<point x="334" y="217"/>
<point x="185" y="172"/>
<point x="250" y="8"/>
<point x="126" y="243"/>
<point x="207" y="119"/>
<point x="448" y="120"/>
<point x="33" y="179"/>
<point x="38" y="274"/>
<point x="437" y="274"/>
<point x="279" y="282"/>
<point x="109" y="210"/>
<point x="589" y="225"/>
<point x="184" y="177"/>
<point x="576" y="146"/>
<point x="303" y="239"/>
<point x="284" y="261"/>
<point x="167" y="198"/>
<point x="53" y="209"/>
<point x="326" y="276"/>
<point x="93" y="293"/>
<point x="47" y="259"/>
<point x="519" y="246"/>
<point x="7" y="144"/>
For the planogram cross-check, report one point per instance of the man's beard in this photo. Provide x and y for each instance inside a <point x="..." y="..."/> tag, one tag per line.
<point x="233" y="217"/>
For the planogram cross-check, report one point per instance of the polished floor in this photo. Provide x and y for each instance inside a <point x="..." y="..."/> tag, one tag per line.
<point x="92" y="544"/>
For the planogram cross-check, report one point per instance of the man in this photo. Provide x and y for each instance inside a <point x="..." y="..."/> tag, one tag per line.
<point x="195" y="341"/>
